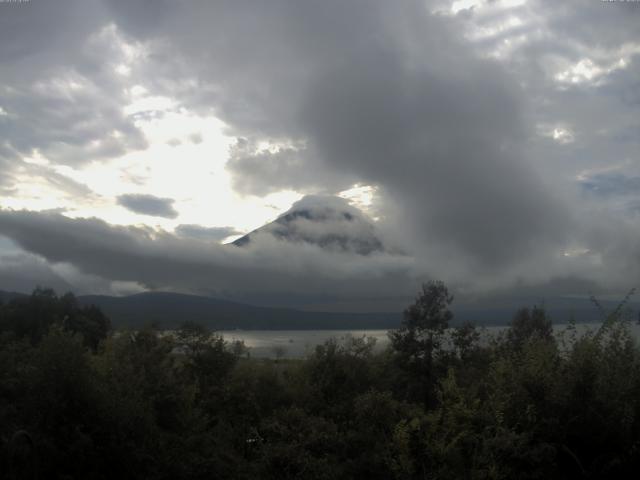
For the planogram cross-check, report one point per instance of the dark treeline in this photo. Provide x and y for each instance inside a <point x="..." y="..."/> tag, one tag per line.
<point x="78" y="401"/>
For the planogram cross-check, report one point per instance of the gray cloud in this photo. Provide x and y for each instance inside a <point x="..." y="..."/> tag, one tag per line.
<point x="60" y="182"/>
<point x="22" y="272"/>
<point x="161" y="260"/>
<point x="59" y="97"/>
<point x="148" y="205"/>
<point x="195" y="138"/>
<point x="156" y="259"/>
<point x="327" y="221"/>
<point x="374" y="92"/>
<point x="612" y="185"/>
<point x="259" y="172"/>
<point x="444" y="147"/>
<point x="598" y="103"/>
<point x="199" y="232"/>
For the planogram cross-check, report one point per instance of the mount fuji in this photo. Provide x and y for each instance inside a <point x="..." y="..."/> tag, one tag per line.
<point x="326" y="221"/>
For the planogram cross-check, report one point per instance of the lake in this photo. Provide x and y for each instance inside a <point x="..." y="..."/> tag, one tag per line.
<point x="299" y="343"/>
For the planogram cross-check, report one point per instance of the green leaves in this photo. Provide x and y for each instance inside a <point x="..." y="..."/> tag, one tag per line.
<point x="417" y="343"/>
<point x="33" y="316"/>
<point x="438" y="404"/>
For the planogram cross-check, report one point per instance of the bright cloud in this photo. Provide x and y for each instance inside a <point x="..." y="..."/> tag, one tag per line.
<point x="495" y="142"/>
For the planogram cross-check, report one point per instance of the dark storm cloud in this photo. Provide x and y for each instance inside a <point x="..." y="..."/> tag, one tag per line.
<point x="579" y="65"/>
<point x="148" y="205"/>
<point x="598" y="104"/>
<point x="377" y="92"/>
<point x="322" y="95"/>
<point x="444" y="144"/>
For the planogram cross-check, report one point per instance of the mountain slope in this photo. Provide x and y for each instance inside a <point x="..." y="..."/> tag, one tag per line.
<point x="168" y="310"/>
<point x="328" y="222"/>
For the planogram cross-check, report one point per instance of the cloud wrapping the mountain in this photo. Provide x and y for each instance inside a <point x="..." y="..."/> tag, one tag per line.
<point x="326" y="221"/>
<point x="199" y="232"/>
<point x="479" y="131"/>
<point x="372" y="92"/>
<point x="270" y="268"/>
<point x="161" y="260"/>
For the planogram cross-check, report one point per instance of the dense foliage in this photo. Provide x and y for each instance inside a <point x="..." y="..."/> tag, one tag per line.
<point x="79" y="401"/>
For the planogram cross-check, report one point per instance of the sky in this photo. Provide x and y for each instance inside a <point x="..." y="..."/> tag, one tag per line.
<point x="492" y="144"/>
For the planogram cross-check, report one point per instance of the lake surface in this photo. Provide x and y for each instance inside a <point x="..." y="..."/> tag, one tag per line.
<point x="299" y="343"/>
<point x="296" y="343"/>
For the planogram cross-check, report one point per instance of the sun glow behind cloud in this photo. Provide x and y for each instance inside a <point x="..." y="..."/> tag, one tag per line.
<point x="186" y="162"/>
<point x="138" y="109"/>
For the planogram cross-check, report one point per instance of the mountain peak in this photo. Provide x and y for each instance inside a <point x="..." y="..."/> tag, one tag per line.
<point x="327" y="221"/>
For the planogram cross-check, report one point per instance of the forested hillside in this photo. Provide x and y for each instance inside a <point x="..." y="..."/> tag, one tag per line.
<point x="80" y="401"/>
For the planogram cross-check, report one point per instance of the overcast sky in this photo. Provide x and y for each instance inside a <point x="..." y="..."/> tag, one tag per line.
<point x="493" y="144"/>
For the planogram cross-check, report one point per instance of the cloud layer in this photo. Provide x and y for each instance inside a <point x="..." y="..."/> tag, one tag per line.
<point x="145" y="204"/>
<point x="161" y="260"/>
<point x="375" y="93"/>
<point x="501" y="140"/>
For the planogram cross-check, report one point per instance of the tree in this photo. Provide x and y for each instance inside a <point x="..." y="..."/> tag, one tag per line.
<point x="89" y="321"/>
<point x="527" y="324"/>
<point x="208" y="362"/>
<point x="419" y="338"/>
<point x="465" y="339"/>
<point x="33" y="316"/>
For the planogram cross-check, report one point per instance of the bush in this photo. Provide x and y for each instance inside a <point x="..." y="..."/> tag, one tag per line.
<point x="436" y="404"/>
